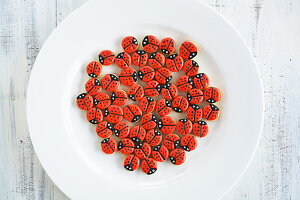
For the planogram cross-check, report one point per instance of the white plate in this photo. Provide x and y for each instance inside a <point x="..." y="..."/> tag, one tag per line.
<point x="67" y="145"/>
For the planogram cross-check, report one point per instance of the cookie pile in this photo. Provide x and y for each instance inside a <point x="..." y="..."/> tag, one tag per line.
<point x="158" y="136"/>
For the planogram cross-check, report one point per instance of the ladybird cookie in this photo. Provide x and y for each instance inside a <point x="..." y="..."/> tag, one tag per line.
<point x="84" y="101"/>
<point x="167" y="45"/>
<point x="110" y="82"/>
<point x="132" y="113"/>
<point x="123" y="60"/>
<point x="188" y="142"/>
<point x="149" y="121"/>
<point x="121" y="129"/>
<point x="188" y="50"/>
<point x="184" y="83"/>
<point x="201" y="81"/>
<point x="94" y="115"/>
<point x="200" y="129"/>
<point x="131" y="162"/>
<point x="113" y="114"/>
<point x="177" y="156"/>
<point x="174" y="62"/>
<point x="119" y="97"/>
<point x="136" y="92"/>
<point x="153" y="137"/>
<point x="194" y="113"/>
<point x="160" y="153"/>
<point x="163" y="107"/>
<point x="169" y="91"/>
<point x="128" y="77"/>
<point x="166" y="124"/>
<point x="184" y="126"/>
<point x="93" y="86"/>
<point x="194" y="96"/>
<point x="102" y="100"/>
<point x="191" y="68"/>
<point x="180" y="104"/>
<point x="172" y="141"/>
<point x="106" y="57"/>
<point x="152" y="88"/>
<point x="146" y="73"/>
<point x="139" y="58"/>
<point x="94" y="69"/>
<point x="149" y="166"/>
<point x="104" y="129"/>
<point x="212" y="94"/>
<point x="109" y="145"/>
<point x="126" y="146"/>
<point x="130" y="44"/>
<point x="156" y="60"/>
<point x="147" y="104"/>
<point x="142" y="150"/>
<point x="163" y="75"/>
<point x="211" y="112"/>
<point x="150" y="43"/>
<point x="137" y="134"/>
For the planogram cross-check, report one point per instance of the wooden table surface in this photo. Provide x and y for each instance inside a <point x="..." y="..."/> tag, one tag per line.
<point x="271" y="29"/>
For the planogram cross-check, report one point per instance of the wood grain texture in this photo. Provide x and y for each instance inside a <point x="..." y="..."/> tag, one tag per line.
<point x="270" y="27"/>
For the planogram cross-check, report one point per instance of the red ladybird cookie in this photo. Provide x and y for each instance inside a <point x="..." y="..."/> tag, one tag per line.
<point x="201" y="81"/>
<point x="194" y="113"/>
<point x="200" y="129"/>
<point x="184" y="83"/>
<point x="160" y="153"/>
<point x="121" y="129"/>
<point x="191" y="68"/>
<point x="150" y="43"/>
<point x="177" y="156"/>
<point x="94" y="115"/>
<point x="106" y="57"/>
<point x="172" y="141"/>
<point x="94" y="69"/>
<point x="169" y="91"/>
<point x="126" y="146"/>
<point x="132" y="113"/>
<point x="130" y="44"/>
<point x="147" y="104"/>
<point x="167" y="45"/>
<point x="85" y="101"/>
<point x="153" y="137"/>
<point x="109" y="145"/>
<point x="128" y="76"/>
<point x="136" y="92"/>
<point x="194" y="96"/>
<point x="166" y="124"/>
<point x="110" y="82"/>
<point x="139" y="58"/>
<point x="149" y="166"/>
<point x="156" y="60"/>
<point x="104" y="129"/>
<point x="146" y="73"/>
<point x="102" y="100"/>
<point x="212" y="94"/>
<point x="123" y="60"/>
<point x="113" y="114"/>
<point x="188" y="50"/>
<point x="131" y="162"/>
<point x="93" y="86"/>
<point x="149" y="121"/>
<point x="152" y="88"/>
<point x="137" y="134"/>
<point x="119" y="97"/>
<point x="188" y="142"/>
<point x="180" y="104"/>
<point x="163" y="107"/>
<point x="174" y="62"/>
<point x="142" y="150"/>
<point x="211" y="112"/>
<point x="184" y="126"/>
<point x="163" y="75"/>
